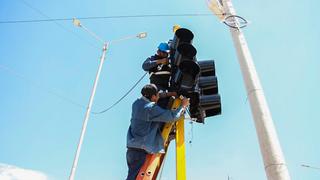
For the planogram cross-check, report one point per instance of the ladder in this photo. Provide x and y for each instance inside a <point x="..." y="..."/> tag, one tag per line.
<point x="152" y="165"/>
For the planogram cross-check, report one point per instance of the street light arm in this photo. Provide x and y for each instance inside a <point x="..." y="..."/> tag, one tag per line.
<point x="93" y="34"/>
<point x="140" y="36"/>
<point x="77" y="23"/>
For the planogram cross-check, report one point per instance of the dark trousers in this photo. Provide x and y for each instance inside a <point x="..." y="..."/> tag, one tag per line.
<point x="135" y="160"/>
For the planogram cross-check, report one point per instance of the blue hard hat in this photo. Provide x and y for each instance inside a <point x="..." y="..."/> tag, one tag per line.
<point x="164" y="47"/>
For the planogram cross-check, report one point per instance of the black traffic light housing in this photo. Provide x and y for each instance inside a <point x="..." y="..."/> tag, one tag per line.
<point x="194" y="79"/>
<point x="186" y="69"/>
<point x="182" y="35"/>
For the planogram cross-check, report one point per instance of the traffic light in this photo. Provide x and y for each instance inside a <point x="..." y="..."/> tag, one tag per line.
<point x="205" y="100"/>
<point x="209" y="100"/>
<point x="187" y="69"/>
<point x="181" y="35"/>
<point x="194" y="79"/>
<point x="184" y="66"/>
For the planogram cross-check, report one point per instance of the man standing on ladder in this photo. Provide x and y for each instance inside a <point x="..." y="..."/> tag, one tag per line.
<point x="144" y="135"/>
<point x="160" y="71"/>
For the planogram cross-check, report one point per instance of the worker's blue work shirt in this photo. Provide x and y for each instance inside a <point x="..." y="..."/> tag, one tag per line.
<point x="146" y="120"/>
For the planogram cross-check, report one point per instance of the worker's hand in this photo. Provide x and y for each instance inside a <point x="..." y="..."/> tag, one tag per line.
<point x="163" y="61"/>
<point x="185" y="102"/>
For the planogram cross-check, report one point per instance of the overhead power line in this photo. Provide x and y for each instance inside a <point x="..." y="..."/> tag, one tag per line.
<point x="41" y="87"/>
<point x="55" y="22"/>
<point x="105" y="17"/>
<point x="308" y="166"/>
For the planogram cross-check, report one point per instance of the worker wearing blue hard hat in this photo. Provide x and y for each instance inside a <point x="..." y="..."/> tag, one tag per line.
<point x="164" y="47"/>
<point x="159" y="70"/>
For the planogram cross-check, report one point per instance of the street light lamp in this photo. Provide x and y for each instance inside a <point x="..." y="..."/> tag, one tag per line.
<point x="142" y="35"/>
<point x="77" y="23"/>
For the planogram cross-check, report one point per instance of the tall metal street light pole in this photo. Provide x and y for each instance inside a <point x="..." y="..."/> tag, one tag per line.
<point x="274" y="162"/>
<point x="77" y="23"/>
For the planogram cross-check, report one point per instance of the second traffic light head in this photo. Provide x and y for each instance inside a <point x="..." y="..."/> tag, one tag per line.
<point x="207" y="67"/>
<point x="203" y="106"/>
<point x="184" y="52"/>
<point x="207" y="80"/>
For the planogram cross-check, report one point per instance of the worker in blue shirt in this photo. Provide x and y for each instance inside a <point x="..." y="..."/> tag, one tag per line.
<point x="144" y="135"/>
<point x="159" y="70"/>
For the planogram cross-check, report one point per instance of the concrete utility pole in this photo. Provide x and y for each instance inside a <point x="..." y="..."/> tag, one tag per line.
<point x="274" y="162"/>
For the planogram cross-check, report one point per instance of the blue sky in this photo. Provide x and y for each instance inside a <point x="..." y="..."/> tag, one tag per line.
<point x="40" y="130"/>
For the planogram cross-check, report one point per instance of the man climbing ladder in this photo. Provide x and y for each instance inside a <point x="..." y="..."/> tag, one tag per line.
<point x="144" y="135"/>
<point x="153" y="162"/>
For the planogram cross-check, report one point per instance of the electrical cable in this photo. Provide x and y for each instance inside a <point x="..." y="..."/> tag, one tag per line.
<point x="308" y="166"/>
<point x="162" y="166"/>
<point x="231" y="23"/>
<point x="41" y="87"/>
<point x="190" y="133"/>
<point x="66" y="99"/>
<point x="101" y="17"/>
<point x="58" y="24"/>
<point x="52" y="92"/>
<point x="117" y="102"/>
